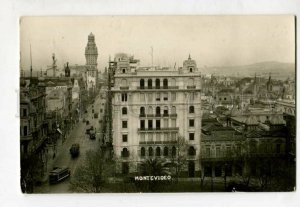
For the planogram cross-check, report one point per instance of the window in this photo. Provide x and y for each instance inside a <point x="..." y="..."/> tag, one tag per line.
<point x="207" y="151"/>
<point x="142" y="111"/>
<point x="165" y="83"/>
<point x="173" y="123"/>
<point x="191" y="136"/>
<point x="225" y="99"/>
<point x="166" y="123"/>
<point x="191" y="70"/>
<point x="150" y="97"/>
<point x="124" y="124"/>
<point x="24" y="112"/>
<point x="150" y="124"/>
<point x="192" y="151"/>
<point x="166" y="151"/>
<point x="191" y="123"/>
<point x="25" y="130"/>
<point x="142" y="83"/>
<point x="191" y="109"/>
<point x="123" y="70"/>
<point x="142" y="97"/>
<point x="173" y="96"/>
<point x="142" y="122"/>
<point x="157" y="152"/>
<point x="173" y="110"/>
<point x="150" y="151"/>
<point x="192" y="96"/>
<point x="157" y="124"/>
<point x="124" y="137"/>
<point x="149" y="83"/>
<point x="124" y="82"/>
<point x="173" y="151"/>
<point x="158" y="137"/>
<point x="143" y="152"/>
<point x="124" y="110"/>
<point x="150" y="110"/>
<point x="165" y="95"/>
<point x="150" y="137"/>
<point x="157" y="84"/>
<point x="158" y="97"/>
<point x="125" y="152"/>
<point x="166" y="111"/>
<point x="157" y="110"/>
<point x="218" y="151"/>
<point x="124" y="97"/>
<point x="142" y="138"/>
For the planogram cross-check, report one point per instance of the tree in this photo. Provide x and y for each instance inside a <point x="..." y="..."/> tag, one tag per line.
<point x="153" y="167"/>
<point x="93" y="174"/>
<point x="180" y="158"/>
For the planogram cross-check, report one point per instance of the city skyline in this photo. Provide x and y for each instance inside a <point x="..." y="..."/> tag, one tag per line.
<point x="211" y="40"/>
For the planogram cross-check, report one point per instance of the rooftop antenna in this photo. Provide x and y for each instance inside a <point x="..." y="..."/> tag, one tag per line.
<point x="30" y="62"/>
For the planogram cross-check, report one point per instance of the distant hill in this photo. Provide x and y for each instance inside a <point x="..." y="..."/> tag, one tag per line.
<point x="278" y="70"/>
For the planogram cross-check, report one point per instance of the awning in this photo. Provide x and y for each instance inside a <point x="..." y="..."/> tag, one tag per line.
<point x="59" y="131"/>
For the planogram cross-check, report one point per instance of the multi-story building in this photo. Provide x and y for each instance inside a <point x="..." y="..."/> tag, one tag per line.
<point x="152" y="109"/>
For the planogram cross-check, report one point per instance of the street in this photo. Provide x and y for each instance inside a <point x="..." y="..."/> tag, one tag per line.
<point x="63" y="157"/>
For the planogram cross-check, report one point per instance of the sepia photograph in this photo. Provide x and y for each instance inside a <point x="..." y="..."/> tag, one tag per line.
<point x="157" y="104"/>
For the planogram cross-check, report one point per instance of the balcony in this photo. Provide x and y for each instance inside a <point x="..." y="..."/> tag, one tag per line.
<point x="156" y="142"/>
<point x="191" y="87"/>
<point x="124" y="87"/>
<point x="157" y="87"/>
<point x="158" y="129"/>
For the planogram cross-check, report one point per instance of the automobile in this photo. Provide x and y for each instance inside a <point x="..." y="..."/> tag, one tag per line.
<point x="59" y="174"/>
<point x="75" y="150"/>
<point x="87" y="122"/>
<point x="96" y="115"/>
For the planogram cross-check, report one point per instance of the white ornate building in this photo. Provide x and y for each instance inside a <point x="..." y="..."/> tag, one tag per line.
<point x="152" y="107"/>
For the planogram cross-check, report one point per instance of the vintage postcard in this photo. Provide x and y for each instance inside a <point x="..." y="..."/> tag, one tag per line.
<point x="157" y="104"/>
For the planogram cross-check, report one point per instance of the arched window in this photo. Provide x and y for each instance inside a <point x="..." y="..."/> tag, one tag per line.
<point x="165" y="83"/>
<point x="166" y="111"/>
<point x="142" y="111"/>
<point x="124" y="110"/>
<point x="191" y="110"/>
<point x="192" y="151"/>
<point x="125" y="152"/>
<point x="173" y="151"/>
<point x="173" y="110"/>
<point x="157" y="152"/>
<point x="142" y="83"/>
<point x="150" y="83"/>
<point x="150" y="151"/>
<point x="157" y="110"/>
<point x="143" y="152"/>
<point x="166" y="151"/>
<point x="157" y="84"/>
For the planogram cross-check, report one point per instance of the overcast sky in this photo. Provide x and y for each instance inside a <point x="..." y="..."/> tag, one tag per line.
<point x="211" y="40"/>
